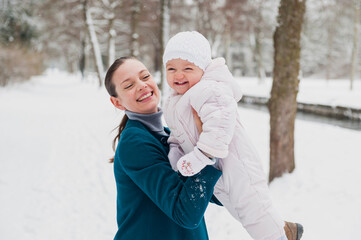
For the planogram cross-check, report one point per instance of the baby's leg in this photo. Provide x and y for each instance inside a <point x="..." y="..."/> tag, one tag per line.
<point x="243" y="190"/>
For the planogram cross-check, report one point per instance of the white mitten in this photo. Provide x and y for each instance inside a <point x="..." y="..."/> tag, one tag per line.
<point x="175" y="153"/>
<point x="193" y="162"/>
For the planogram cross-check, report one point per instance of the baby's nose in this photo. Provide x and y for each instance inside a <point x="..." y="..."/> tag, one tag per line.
<point x="179" y="75"/>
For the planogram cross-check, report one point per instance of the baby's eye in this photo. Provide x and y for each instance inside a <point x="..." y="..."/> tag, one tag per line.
<point x="189" y="68"/>
<point x="170" y="69"/>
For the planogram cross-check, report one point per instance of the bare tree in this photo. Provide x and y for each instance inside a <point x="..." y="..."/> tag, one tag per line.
<point x="164" y="30"/>
<point x="248" y="26"/>
<point x="100" y="21"/>
<point x="233" y="10"/>
<point x="110" y="6"/>
<point x="355" y="42"/>
<point x="95" y="46"/>
<point x="331" y="27"/>
<point x="239" y="30"/>
<point x="283" y="105"/>
<point x="258" y="52"/>
<point x="134" y="35"/>
<point x="83" y="36"/>
<point x="61" y="33"/>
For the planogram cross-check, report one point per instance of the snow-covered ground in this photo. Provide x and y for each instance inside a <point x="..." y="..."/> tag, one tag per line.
<point x="332" y="92"/>
<point x="55" y="182"/>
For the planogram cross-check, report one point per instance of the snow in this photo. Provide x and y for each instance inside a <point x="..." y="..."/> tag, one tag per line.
<point x="56" y="183"/>
<point x="334" y="92"/>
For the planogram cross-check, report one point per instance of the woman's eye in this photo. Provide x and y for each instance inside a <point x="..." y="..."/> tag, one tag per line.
<point x="146" y="77"/>
<point x="128" y="86"/>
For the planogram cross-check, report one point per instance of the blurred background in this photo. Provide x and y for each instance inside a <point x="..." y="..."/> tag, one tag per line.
<point x="57" y="120"/>
<point x="69" y="34"/>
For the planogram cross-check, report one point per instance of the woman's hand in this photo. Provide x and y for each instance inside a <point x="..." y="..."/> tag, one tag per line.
<point x="199" y="125"/>
<point x="197" y="121"/>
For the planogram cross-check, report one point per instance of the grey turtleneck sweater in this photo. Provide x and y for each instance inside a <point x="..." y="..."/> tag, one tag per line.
<point x="152" y="121"/>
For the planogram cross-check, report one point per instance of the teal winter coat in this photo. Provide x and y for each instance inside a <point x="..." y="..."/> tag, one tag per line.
<point x="153" y="201"/>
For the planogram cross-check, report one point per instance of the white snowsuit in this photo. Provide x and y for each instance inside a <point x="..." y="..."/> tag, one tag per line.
<point x="242" y="188"/>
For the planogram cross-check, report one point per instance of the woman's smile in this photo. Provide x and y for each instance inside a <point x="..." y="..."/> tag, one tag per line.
<point x="145" y="97"/>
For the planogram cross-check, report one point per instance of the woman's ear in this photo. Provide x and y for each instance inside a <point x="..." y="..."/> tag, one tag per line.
<point x="116" y="103"/>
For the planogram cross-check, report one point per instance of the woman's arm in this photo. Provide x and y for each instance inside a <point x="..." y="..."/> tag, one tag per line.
<point x="146" y="163"/>
<point x="175" y="151"/>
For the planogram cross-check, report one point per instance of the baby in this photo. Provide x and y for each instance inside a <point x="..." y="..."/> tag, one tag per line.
<point x="204" y="87"/>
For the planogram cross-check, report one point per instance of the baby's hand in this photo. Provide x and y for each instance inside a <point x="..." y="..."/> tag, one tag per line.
<point x="193" y="162"/>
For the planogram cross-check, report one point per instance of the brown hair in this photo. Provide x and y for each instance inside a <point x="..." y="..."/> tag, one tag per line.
<point x="109" y="85"/>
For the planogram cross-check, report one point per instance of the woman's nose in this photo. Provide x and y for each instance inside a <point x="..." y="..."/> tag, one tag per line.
<point x="141" y="85"/>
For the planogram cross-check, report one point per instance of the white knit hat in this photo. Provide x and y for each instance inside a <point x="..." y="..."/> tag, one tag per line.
<point x="190" y="46"/>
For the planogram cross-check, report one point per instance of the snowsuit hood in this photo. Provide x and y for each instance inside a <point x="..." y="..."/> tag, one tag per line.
<point x="218" y="70"/>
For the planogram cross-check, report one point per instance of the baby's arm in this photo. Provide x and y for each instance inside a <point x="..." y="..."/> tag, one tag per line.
<point x="217" y="110"/>
<point x="195" y="160"/>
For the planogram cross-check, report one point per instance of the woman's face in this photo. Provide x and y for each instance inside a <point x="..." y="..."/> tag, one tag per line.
<point x="136" y="89"/>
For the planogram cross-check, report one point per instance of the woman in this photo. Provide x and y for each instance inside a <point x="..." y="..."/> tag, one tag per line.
<point x="153" y="201"/>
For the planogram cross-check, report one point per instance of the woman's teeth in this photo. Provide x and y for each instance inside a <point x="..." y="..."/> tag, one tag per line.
<point x="145" y="96"/>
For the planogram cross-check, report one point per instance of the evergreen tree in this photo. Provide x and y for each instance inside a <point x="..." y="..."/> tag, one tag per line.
<point x="15" y="27"/>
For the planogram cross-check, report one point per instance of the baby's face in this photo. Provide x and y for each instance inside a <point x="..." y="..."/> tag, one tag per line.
<point x="182" y="75"/>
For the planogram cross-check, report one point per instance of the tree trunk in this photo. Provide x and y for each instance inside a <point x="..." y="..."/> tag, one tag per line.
<point x="96" y="49"/>
<point x="134" y="37"/>
<point x="355" y="42"/>
<point x="82" y="58"/>
<point x="330" y="38"/>
<point x="164" y="32"/>
<point x="111" y="42"/>
<point x="258" y="51"/>
<point x="83" y="36"/>
<point x="258" y="56"/>
<point x="283" y="104"/>
<point x="228" y="41"/>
